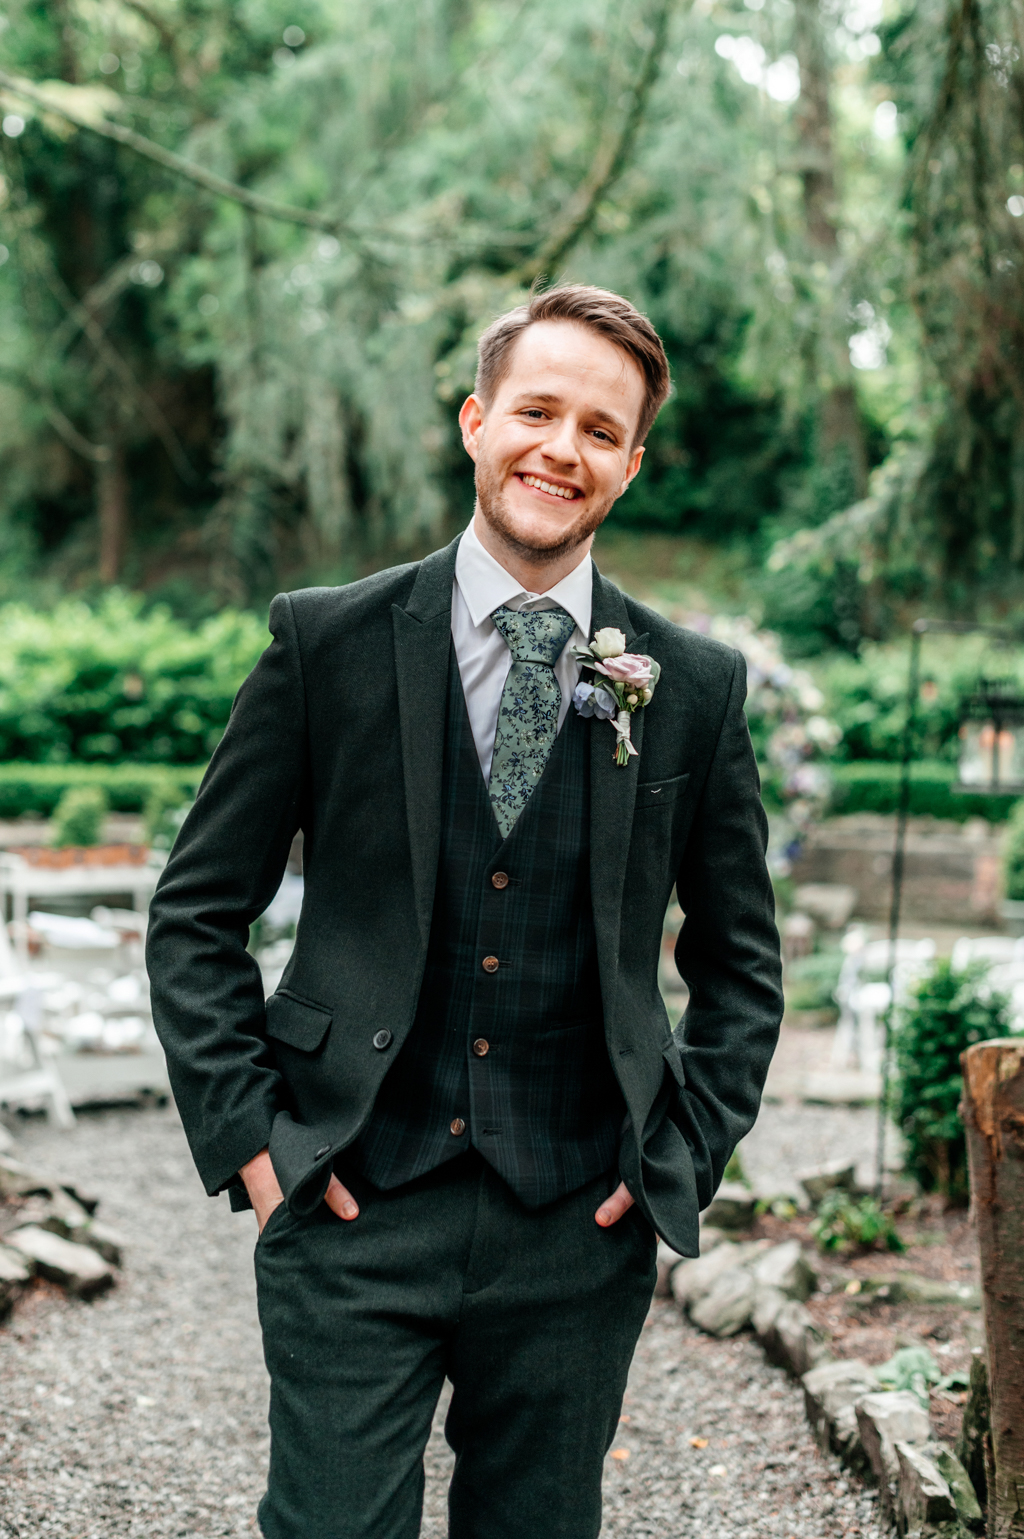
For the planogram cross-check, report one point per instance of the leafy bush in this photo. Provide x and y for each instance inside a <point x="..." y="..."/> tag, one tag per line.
<point x="1013" y="855"/>
<point x="80" y="815"/>
<point x="166" y="806"/>
<point x="874" y="786"/>
<point x="115" y="682"/>
<point x="36" y="789"/>
<point x="951" y="1010"/>
<point x="848" y="1223"/>
<point x="867" y="694"/>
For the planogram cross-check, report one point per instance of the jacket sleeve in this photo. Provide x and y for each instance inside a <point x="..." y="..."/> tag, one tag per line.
<point x="727" y="952"/>
<point x="224" y="870"/>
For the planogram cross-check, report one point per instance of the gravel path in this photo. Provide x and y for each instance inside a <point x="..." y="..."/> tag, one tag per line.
<point x="144" y="1413"/>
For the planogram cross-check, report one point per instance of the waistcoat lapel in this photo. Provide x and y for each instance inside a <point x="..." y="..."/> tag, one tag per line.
<point x="612" y="794"/>
<point x="423" y="638"/>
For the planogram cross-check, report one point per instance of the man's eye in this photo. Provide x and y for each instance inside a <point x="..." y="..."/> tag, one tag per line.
<point x="600" y="433"/>
<point x="533" y="411"/>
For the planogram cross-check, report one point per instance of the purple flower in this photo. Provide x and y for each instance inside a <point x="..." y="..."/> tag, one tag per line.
<point x="590" y="700"/>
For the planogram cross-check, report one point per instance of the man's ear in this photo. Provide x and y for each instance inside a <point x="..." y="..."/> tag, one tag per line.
<point x="471" y="421"/>
<point x="631" y="468"/>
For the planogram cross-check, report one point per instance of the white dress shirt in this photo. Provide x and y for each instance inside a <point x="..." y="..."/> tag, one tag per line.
<point x="481" y="586"/>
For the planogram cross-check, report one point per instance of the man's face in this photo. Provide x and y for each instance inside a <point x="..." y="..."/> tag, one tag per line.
<point x="554" y="449"/>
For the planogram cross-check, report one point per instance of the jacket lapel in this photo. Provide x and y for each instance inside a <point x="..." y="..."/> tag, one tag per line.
<point x="612" y="792"/>
<point x="423" y="633"/>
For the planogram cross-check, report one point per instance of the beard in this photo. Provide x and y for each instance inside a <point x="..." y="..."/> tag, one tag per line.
<point x="494" y="507"/>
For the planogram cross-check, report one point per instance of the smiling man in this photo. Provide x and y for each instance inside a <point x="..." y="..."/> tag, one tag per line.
<point x="462" y="1117"/>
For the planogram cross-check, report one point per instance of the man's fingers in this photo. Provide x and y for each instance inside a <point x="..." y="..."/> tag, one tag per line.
<point x="340" y="1200"/>
<point x="618" y="1203"/>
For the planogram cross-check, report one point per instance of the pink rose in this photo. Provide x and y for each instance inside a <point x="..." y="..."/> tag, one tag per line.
<point x="630" y="668"/>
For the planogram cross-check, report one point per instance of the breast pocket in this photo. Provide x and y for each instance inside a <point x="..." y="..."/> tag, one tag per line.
<point x="652" y="794"/>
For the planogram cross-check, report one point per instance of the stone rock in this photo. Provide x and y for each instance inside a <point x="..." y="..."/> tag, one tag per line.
<point x="84" y="1198"/>
<point x="725" y="1308"/>
<point x="817" y="1183"/>
<point x="6" y="1141"/>
<point x="968" y="1508"/>
<point x="710" y="1237"/>
<point x="885" y="1418"/>
<point x="17" y="1180"/>
<point x="909" y="1288"/>
<point x="831" y="903"/>
<point x="924" y="1502"/>
<point x="14" y="1276"/>
<point x="786" y="1267"/>
<point x="793" y="1341"/>
<point x="105" y="1241"/>
<point x="830" y="1394"/>
<point x="767" y="1303"/>
<point x="668" y="1260"/>
<point x="60" y="1214"/>
<point x="970" y="1445"/>
<point x="75" y="1267"/>
<point x="692" y="1279"/>
<point x="732" y="1207"/>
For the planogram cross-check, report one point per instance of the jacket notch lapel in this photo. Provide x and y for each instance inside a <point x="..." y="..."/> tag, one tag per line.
<point x="423" y="638"/>
<point x="612" y="793"/>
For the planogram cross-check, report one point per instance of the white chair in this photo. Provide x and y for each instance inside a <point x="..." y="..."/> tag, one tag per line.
<point x="25" y="1076"/>
<point x="985" y="948"/>
<point x="863" y="999"/>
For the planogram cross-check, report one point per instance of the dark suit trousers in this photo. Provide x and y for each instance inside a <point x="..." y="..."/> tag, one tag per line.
<point x="533" y="1314"/>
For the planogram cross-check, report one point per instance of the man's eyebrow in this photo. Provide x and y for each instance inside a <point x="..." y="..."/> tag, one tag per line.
<point x="547" y="398"/>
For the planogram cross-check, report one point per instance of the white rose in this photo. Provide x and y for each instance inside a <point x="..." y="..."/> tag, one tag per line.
<point x="608" y="643"/>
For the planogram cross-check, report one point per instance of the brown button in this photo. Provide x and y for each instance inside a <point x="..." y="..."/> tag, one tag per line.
<point x="499" y="880"/>
<point x="458" y="1126"/>
<point x="491" y="964"/>
<point x="481" y="1047"/>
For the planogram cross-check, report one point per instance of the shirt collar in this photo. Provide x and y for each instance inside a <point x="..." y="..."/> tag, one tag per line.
<point x="486" y="585"/>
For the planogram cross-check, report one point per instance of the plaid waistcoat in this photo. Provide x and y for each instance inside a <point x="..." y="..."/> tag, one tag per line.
<point x="511" y="1061"/>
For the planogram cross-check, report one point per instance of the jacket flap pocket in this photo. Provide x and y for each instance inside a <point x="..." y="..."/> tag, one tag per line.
<point x="659" y="793"/>
<point x="300" y="1025"/>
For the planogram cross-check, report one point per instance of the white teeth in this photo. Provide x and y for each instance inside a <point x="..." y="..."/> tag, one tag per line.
<point x="546" y="486"/>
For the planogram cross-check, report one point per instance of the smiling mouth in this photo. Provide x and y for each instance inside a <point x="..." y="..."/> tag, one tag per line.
<point x="537" y="484"/>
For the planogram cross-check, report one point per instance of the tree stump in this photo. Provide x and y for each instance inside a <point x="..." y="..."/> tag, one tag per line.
<point x="993" y="1109"/>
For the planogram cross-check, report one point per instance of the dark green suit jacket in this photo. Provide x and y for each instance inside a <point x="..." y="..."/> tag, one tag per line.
<point x="339" y="731"/>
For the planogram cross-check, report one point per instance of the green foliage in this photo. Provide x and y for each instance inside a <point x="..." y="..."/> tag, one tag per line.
<point x="913" y="1369"/>
<point x="863" y="786"/>
<point x="734" y="1169"/>
<point x="847" y="1223"/>
<point x="810" y="981"/>
<point x="1013" y="855"/>
<point x="114" y="682"/>
<point x="80" y="815"/>
<point x="165" y="809"/>
<point x="949" y="1011"/>
<point x="35" y="789"/>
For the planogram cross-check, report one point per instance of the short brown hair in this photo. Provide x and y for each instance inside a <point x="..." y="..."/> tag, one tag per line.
<point x="601" y="310"/>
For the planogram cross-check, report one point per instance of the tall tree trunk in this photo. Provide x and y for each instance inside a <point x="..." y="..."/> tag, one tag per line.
<point x="112" y="509"/>
<point x="839" y="425"/>
<point x="994" y="1118"/>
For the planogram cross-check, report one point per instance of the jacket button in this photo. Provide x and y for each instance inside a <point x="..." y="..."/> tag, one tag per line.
<point x="458" y="1127"/>
<point x="499" y="880"/>
<point x="382" y="1039"/>
<point x="481" y="1047"/>
<point x="491" y="964"/>
<point x="321" y="1152"/>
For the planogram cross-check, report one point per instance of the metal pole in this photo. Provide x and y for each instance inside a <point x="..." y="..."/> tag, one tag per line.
<point x="898" y="856"/>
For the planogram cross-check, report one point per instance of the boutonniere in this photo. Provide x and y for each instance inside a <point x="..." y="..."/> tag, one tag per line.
<point x="627" y="682"/>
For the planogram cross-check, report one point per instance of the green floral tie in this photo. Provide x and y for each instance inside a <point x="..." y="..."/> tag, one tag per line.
<point x="530" y="701"/>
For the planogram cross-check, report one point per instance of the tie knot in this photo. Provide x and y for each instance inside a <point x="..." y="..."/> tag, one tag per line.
<point x="535" y="636"/>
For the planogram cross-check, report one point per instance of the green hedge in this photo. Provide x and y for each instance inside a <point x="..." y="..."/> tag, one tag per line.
<point x="37" y="788"/>
<point x="867" y="785"/>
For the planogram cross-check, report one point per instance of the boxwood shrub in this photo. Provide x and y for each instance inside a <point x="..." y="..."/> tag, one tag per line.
<point x="37" y="788"/>
<point x="872" y="785"/>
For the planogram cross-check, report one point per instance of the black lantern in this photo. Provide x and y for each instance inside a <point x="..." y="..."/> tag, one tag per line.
<point x="992" y="740"/>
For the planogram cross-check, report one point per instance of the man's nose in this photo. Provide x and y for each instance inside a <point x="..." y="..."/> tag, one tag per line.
<point x="562" y="447"/>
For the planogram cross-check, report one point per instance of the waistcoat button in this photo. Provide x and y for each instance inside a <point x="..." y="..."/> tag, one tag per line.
<point x="481" y="1047"/>
<point x="491" y="964"/>
<point x="458" y="1127"/>
<point x="382" y="1039"/>
<point x="499" y="880"/>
